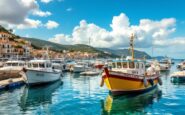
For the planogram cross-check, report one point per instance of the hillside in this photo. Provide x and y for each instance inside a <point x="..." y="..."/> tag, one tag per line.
<point x="38" y="44"/>
<point x="102" y="52"/>
<point x="126" y="52"/>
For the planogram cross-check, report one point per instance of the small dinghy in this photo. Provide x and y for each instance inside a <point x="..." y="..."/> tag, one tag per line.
<point x="178" y="77"/>
<point x="90" y="73"/>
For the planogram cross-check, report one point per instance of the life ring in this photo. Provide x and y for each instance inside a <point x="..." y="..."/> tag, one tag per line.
<point x="145" y="82"/>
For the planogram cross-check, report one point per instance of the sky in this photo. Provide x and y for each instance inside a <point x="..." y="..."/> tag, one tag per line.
<point x="157" y="24"/>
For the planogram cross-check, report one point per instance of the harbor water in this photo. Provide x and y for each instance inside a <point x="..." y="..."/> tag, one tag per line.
<point x="82" y="95"/>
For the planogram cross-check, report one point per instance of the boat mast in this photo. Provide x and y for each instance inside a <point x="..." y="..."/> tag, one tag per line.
<point x="132" y="45"/>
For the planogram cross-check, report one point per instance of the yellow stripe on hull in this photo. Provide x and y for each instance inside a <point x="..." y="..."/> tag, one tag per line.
<point x="117" y="84"/>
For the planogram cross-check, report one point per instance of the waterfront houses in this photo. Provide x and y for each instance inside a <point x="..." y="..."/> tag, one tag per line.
<point x="13" y="47"/>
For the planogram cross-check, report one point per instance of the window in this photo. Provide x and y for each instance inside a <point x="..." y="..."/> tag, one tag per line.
<point x="14" y="64"/>
<point x="41" y="65"/>
<point x="119" y="65"/>
<point x="48" y="65"/>
<point x="35" y="65"/>
<point x="142" y="66"/>
<point x="21" y="64"/>
<point x="29" y="65"/>
<point x="131" y="65"/>
<point x="124" y="64"/>
<point x="113" y="65"/>
<point x="137" y="65"/>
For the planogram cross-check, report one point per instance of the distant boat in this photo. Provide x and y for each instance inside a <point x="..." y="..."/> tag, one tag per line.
<point x="181" y="66"/>
<point x="41" y="71"/>
<point x="165" y="64"/>
<point x="129" y="76"/>
<point x="79" y="67"/>
<point x="178" y="77"/>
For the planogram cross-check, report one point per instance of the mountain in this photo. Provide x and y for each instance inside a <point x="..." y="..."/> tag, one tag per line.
<point x="38" y="44"/>
<point x="125" y="52"/>
<point x="102" y="52"/>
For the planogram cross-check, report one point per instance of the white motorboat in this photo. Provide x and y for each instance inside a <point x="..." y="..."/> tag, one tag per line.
<point x="41" y="71"/>
<point x="60" y="64"/>
<point x="165" y="64"/>
<point x="12" y="67"/>
<point x="79" y="67"/>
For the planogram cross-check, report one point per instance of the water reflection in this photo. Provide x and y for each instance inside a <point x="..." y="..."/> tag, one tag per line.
<point x="36" y="96"/>
<point x="130" y="104"/>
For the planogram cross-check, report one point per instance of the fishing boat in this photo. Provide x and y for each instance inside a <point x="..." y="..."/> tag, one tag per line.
<point x="165" y="64"/>
<point x="41" y="71"/>
<point x="178" y="77"/>
<point x="79" y="67"/>
<point x="129" y="76"/>
<point x="60" y="64"/>
<point x="12" y="68"/>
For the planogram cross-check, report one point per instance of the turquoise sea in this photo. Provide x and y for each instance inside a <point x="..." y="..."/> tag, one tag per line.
<point x="82" y="95"/>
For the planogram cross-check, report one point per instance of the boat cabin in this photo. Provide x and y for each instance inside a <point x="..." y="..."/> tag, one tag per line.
<point x="17" y="63"/>
<point x="39" y="64"/>
<point x="128" y="66"/>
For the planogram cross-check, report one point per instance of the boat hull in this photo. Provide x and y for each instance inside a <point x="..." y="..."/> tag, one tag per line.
<point x="35" y="77"/>
<point x="177" y="79"/>
<point x="122" y="84"/>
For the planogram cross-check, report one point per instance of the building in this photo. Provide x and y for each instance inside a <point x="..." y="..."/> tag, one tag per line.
<point x="13" y="48"/>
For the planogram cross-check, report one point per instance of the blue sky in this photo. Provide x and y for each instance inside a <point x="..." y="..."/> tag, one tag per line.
<point x="101" y="12"/>
<point x="158" y="23"/>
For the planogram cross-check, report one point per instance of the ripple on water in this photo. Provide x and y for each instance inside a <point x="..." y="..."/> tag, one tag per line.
<point x="83" y="95"/>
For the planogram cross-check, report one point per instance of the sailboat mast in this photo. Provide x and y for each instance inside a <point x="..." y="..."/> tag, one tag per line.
<point x="132" y="46"/>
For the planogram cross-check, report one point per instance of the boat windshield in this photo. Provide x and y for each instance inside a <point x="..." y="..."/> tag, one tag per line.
<point x="48" y="65"/>
<point x="131" y="65"/>
<point x="35" y="65"/>
<point x="12" y="64"/>
<point x="56" y="61"/>
<point x="41" y="65"/>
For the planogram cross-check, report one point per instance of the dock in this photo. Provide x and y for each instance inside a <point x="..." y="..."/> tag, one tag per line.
<point x="11" y="83"/>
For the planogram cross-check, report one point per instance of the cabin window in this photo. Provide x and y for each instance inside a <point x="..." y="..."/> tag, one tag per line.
<point x="119" y="65"/>
<point x="124" y="65"/>
<point x="131" y="65"/>
<point x="48" y="65"/>
<point x="41" y="65"/>
<point x="29" y="65"/>
<point x="35" y="65"/>
<point x="113" y="65"/>
<point x="142" y="66"/>
<point x="137" y="65"/>
<point x="14" y="64"/>
<point x="21" y="64"/>
<point x="9" y="64"/>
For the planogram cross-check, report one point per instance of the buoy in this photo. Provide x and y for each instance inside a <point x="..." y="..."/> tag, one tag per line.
<point x="160" y="81"/>
<point x="145" y="82"/>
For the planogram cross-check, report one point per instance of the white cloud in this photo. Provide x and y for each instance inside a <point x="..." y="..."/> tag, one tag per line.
<point x="46" y="1"/>
<point x="69" y="9"/>
<point x="29" y="23"/>
<point x="51" y="24"/>
<point x="41" y="13"/>
<point x="148" y="31"/>
<point x="15" y="14"/>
